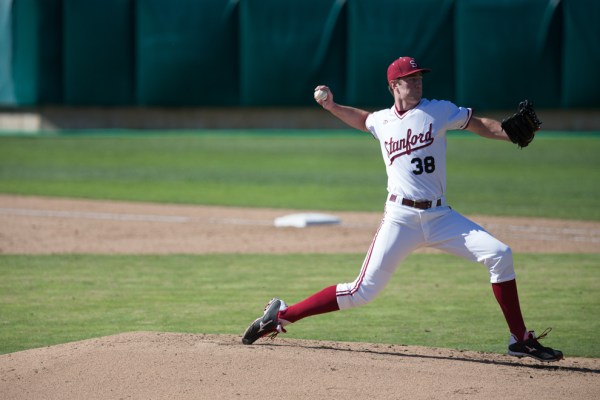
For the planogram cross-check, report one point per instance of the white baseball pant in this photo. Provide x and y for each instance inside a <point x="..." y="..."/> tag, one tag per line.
<point x="404" y="229"/>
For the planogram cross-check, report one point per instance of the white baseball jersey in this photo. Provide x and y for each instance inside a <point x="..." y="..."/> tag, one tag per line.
<point x="413" y="146"/>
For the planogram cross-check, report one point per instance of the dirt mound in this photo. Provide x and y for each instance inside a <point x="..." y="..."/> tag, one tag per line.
<point x="185" y="366"/>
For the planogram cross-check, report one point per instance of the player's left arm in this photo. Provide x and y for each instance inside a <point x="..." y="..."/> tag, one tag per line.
<point x="487" y="128"/>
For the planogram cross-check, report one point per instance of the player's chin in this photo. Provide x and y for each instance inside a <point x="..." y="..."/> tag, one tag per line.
<point x="417" y="97"/>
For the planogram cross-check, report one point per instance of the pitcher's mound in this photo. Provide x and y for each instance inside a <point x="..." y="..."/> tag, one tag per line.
<point x="149" y="365"/>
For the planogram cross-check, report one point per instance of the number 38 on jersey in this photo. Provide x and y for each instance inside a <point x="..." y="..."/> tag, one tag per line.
<point x="425" y="165"/>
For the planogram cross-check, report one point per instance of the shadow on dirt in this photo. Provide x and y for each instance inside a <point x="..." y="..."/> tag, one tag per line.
<point x="469" y="359"/>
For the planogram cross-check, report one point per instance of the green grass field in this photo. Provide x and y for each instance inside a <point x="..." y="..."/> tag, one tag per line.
<point x="432" y="300"/>
<point x="58" y="298"/>
<point x="556" y="177"/>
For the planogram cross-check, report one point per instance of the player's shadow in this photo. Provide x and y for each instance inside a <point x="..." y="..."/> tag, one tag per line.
<point x="517" y="364"/>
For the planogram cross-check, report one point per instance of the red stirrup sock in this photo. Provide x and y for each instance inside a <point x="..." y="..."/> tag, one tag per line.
<point x="508" y="298"/>
<point x="319" y="303"/>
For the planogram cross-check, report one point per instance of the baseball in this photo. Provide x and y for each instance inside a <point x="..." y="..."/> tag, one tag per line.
<point x="320" y="95"/>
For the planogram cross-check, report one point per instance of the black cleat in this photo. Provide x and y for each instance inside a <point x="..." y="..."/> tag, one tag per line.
<point x="532" y="348"/>
<point x="268" y="324"/>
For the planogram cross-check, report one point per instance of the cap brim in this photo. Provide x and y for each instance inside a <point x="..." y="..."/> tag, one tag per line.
<point x="422" y="70"/>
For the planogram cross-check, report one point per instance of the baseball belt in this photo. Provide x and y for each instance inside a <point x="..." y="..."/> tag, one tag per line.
<point x="421" y="205"/>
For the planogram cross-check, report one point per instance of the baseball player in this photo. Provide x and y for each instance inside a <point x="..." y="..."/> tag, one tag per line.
<point x="412" y="137"/>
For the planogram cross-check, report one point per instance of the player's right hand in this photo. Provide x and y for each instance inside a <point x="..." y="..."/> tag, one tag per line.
<point x="328" y="102"/>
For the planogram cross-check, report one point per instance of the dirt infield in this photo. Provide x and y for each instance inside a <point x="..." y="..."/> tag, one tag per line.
<point x="147" y="365"/>
<point x="33" y="225"/>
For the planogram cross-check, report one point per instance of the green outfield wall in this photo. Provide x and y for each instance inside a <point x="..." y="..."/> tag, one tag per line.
<point x="487" y="54"/>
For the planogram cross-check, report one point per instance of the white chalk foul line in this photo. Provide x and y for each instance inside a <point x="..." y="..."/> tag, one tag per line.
<point x="94" y="215"/>
<point x="129" y="217"/>
<point x="239" y="221"/>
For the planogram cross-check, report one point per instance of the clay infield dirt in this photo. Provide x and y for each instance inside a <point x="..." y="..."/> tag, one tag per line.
<point x="155" y="365"/>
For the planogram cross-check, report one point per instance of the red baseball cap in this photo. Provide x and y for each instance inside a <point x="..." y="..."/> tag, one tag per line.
<point x="402" y="67"/>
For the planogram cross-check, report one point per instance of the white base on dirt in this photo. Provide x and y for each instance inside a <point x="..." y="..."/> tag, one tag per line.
<point x="303" y="220"/>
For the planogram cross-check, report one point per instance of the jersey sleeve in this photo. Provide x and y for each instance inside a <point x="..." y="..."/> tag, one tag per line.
<point x="371" y="123"/>
<point x="459" y="117"/>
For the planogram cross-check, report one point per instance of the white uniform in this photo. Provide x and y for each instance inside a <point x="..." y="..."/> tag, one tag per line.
<point x="413" y="146"/>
